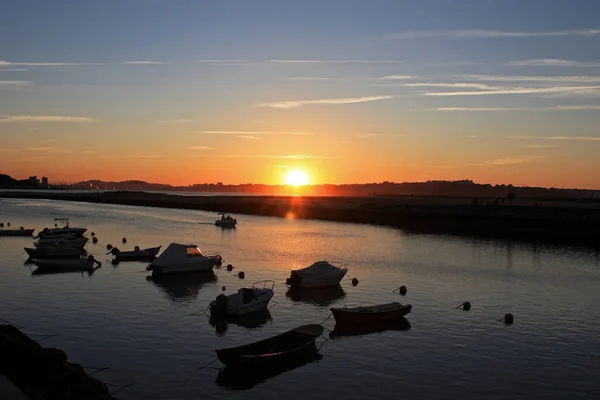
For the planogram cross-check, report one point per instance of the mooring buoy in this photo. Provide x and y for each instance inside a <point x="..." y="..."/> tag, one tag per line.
<point x="108" y="246"/>
<point x="93" y="234"/>
<point x="95" y="240"/>
<point x="241" y="275"/>
<point x="465" y="306"/>
<point x="229" y="267"/>
<point x="223" y="288"/>
<point x="508" y="318"/>
<point x="402" y="289"/>
<point x="354" y="281"/>
<point x="124" y="240"/>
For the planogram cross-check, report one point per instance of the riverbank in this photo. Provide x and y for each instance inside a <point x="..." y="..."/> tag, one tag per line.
<point x="555" y="222"/>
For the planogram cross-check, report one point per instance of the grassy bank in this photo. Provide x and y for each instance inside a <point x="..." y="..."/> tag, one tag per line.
<point x="556" y="222"/>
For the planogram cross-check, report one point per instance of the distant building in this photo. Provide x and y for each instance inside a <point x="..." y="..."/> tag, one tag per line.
<point x="34" y="180"/>
<point x="44" y="184"/>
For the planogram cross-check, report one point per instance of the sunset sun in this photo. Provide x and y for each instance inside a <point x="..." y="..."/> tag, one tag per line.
<point x="296" y="178"/>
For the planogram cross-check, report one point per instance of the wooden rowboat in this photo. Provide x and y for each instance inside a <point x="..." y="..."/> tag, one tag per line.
<point x="134" y="255"/>
<point x="371" y="314"/>
<point x="289" y="347"/>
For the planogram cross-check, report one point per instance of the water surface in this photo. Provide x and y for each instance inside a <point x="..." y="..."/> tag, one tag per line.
<point x="142" y="329"/>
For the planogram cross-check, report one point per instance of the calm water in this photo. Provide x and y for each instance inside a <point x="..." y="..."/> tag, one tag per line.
<point x="142" y="330"/>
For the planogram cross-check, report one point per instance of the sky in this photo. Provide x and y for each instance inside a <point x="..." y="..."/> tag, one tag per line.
<point x="348" y="91"/>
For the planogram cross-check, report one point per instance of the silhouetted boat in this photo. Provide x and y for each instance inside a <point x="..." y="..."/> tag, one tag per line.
<point x="321" y="296"/>
<point x="65" y="241"/>
<point x="399" y="324"/>
<point x="225" y="221"/>
<point x="245" y="300"/>
<point x="134" y="255"/>
<point x="183" y="258"/>
<point x="66" y="229"/>
<point x="54" y="252"/>
<point x="244" y="379"/>
<point x="16" y="232"/>
<point x="318" y="275"/>
<point x="294" y="345"/>
<point x="370" y="314"/>
<point x="84" y="263"/>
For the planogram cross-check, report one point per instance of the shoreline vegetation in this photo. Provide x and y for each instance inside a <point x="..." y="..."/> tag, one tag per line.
<point x="527" y="220"/>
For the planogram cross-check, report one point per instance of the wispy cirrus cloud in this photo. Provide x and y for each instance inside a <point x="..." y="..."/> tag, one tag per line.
<point x="398" y="77"/>
<point x="201" y="148"/>
<point x="518" y="90"/>
<point x="335" y="61"/>
<point x="299" y="103"/>
<point x="480" y="109"/>
<point x="478" y="86"/>
<point x="539" y="146"/>
<point x="12" y="69"/>
<point x="43" y="118"/>
<point x="14" y="83"/>
<point x="176" y="121"/>
<point x="582" y="107"/>
<point x="143" y="62"/>
<point x="514" y="160"/>
<point x="247" y="137"/>
<point x="489" y="33"/>
<point x="525" y="78"/>
<point x="578" y="107"/>
<point x="299" y="156"/>
<point x="51" y="149"/>
<point x="561" y="138"/>
<point x="149" y="156"/>
<point x="42" y="64"/>
<point x="237" y="133"/>
<point x="553" y="62"/>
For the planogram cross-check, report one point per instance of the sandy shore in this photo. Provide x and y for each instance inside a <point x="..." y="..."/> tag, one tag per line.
<point x="561" y="223"/>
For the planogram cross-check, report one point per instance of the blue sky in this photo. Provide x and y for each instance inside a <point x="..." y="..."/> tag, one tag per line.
<point x="193" y="91"/>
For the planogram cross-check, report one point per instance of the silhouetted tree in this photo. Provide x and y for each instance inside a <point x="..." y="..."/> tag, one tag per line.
<point x="510" y="197"/>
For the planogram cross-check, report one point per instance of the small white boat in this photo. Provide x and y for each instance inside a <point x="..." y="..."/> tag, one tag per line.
<point x="136" y="254"/>
<point x="84" y="263"/>
<point x="318" y="275"/>
<point x="180" y="258"/>
<point x="67" y="241"/>
<point x="225" y="221"/>
<point x="245" y="301"/>
<point x="54" y="252"/>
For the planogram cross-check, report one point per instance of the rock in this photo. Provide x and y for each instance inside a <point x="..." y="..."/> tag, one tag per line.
<point x="45" y="372"/>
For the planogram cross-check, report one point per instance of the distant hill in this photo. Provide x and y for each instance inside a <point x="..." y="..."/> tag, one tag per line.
<point x="7" y="182"/>
<point x="463" y="188"/>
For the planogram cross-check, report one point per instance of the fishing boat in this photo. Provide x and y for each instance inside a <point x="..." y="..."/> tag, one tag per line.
<point x="54" y="252"/>
<point x="84" y="263"/>
<point x="67" y="241"/>
<point x="318" y="275"/>
<point x="245" y="301"/>
<point x="225" y="221"/>
<point x="293" y="345"/>
<point x="16" y="232"/>
<point x="371" y="314"/>
<point x="134" y="255"/>
<point x="181" y="258"/>
<point x="64" y="229"/>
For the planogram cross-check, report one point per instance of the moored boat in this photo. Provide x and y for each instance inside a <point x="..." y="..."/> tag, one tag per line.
<point x="182" y="258"/>
<point x="66" y="229"/>
<point x="293" y="345"/>
<point x="16" y="232"/>
<point x="68" y="263"/>
<point x="370" y="314"/>
<point x="245" y="301"/>
<point x="54" y="252"/>
<point x="67" y="241"/>
<point x="318" y="275"/>
<point x="137" y="254"/>
<point x="225" y="221"/>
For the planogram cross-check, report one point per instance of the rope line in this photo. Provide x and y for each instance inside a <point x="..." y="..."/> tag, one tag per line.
<point x="209" y="364"/>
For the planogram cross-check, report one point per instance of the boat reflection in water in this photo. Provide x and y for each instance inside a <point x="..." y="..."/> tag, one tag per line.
<point x="400" y="324"/>
<point x="249" y="321"/>
<point x="45" y="271"/>
<point x="323" y="297"/>
<point x="233" y="378"/>
<point x="182" y="287"/>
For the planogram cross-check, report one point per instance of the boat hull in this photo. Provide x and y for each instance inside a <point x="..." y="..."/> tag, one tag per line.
<point x="62" y="232"/>
<point x="226" y="223"/>
<point x="292" y="346"/>
<point x="318" y="282"/>
<point x="64" y="264"/>
<point x="204" y="265"/>
<point x="236" y="308"/>
<point x="137" y="255"/>
<point x="54" y="252"/>
<point x="370" y="315"/>
<point x="16" y="232"/>
<point x="63" y="242"/>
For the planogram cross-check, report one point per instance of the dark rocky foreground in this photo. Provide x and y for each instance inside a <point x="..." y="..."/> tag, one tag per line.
<point x="552" y="222"/>
<point x="45" y="373"/>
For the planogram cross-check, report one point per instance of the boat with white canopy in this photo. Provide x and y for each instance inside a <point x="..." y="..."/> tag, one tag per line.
<point x="318" y="275"/>
<point x="181" y="258"/>
<point x="245" y="301"/>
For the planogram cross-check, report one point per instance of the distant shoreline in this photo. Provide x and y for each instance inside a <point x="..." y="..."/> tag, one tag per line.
<point x="561" y="223"/>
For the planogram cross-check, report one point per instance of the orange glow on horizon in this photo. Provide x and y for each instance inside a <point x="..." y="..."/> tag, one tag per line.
<point x="296" y="177"/>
